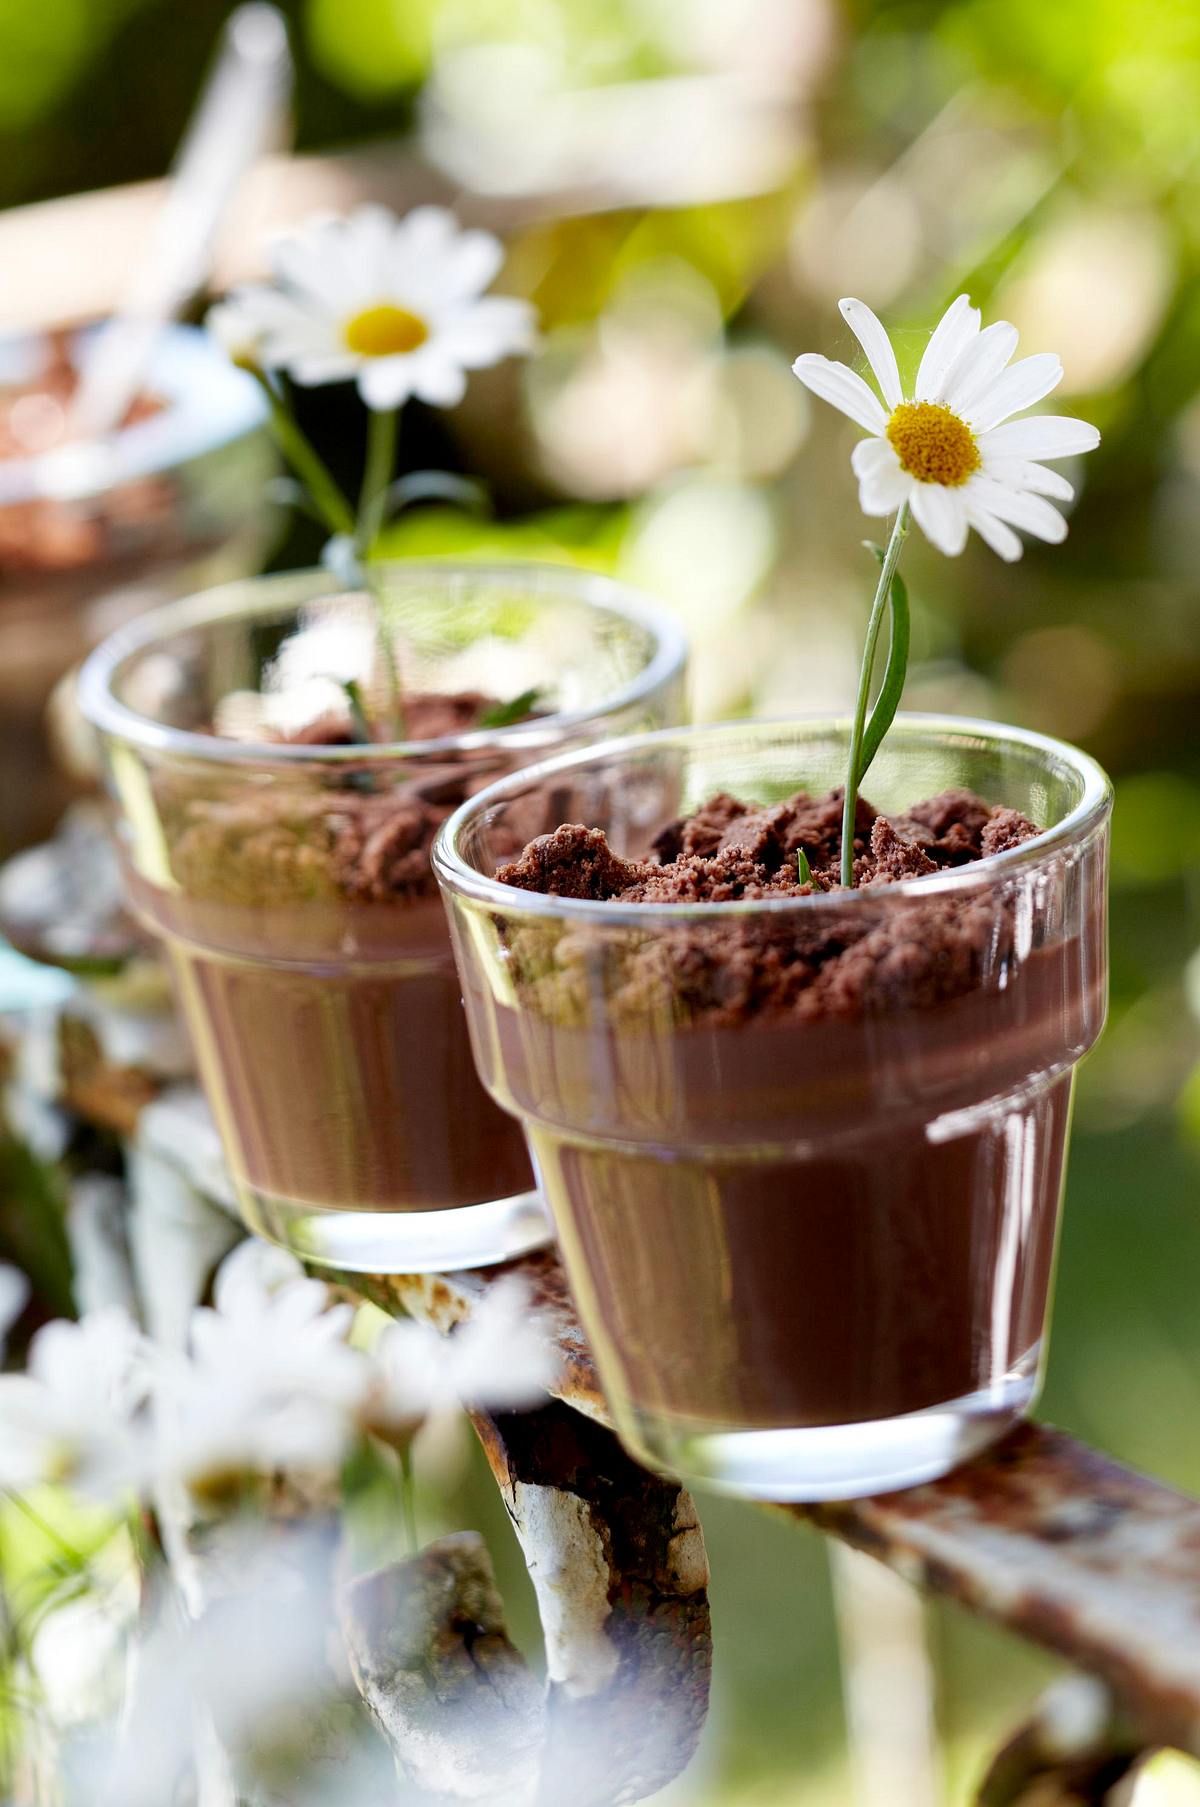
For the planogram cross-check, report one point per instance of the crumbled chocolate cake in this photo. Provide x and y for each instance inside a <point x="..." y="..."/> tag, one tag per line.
<point x="809" y="964"/>
<point x="367" y="837"/>
<point x="49" y="533"/>
<point x="730" y="850"/>
<point x="428" y="715"/>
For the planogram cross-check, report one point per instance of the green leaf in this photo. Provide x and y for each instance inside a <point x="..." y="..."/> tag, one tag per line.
<point x="804" y="870"/>
<point x="892" y="688"/>
<point x="503" y="715"/>
<point x="360" y="722"/>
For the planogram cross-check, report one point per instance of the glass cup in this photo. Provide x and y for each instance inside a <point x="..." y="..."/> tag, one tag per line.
<point x="812" y="1244"/>
<point x="94" y="532"/>
<point x="291" y="885"/>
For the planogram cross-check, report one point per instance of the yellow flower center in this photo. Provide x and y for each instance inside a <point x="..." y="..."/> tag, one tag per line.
<point x="384" y="332"/>
<point x="932" y="443"/>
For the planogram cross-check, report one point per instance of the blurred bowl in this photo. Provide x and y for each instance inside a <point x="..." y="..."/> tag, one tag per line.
<point x="93" y="532"/>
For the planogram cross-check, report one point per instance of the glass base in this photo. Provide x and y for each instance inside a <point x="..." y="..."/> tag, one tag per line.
<point x="400" y="1242"/>
<point x="838" y="1461"/>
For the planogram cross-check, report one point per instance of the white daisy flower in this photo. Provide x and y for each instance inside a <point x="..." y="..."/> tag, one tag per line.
<point x="271" y="1383"/>
<point x="501" y="1359"/>
<point x="397" y="303"/>
<point x="952" y="450"/>
<point x="74" y="1416"/>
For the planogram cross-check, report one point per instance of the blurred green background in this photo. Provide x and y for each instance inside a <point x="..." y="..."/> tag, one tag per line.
<point x="687" y="187"/>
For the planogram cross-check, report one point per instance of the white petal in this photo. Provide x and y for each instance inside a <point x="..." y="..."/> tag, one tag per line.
<point x="386" y="382"/>
<point x="427" y="233"/>
<point x="1023" y="384"/>
<point x="1019" y="473"/>
<point x="439" y="381"/>
<point x="442" y="266"/>
<point x="234" y="330"/>
<point x="979" y="365"/>
<point x="248" y="1277"/>
<point x="956" y="329"/>
<point x="994" y="533"/>
<point x="269" y="312"/>
<point x="882" y="482"/>
<point x="1018" y="507"/>
<point x="311" y="372"/>
<point x="312" y="264"/>
<point x="838" y="384"/>
<point x="362" y="249"/>
<point x="1045" y="436"/>
<point x="295" y="334"/>
<point x="869" y="332"/>
<point x="941" y="515"/>
<point x="488" y="330"/>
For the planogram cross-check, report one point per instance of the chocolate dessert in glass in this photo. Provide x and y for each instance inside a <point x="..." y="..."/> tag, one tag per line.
<point x="92" y="532"/>
<point x="803" y="1145"/>
<point x="281" y="851"/>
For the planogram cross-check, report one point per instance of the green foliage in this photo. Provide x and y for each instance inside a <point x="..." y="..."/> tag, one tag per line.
<point x="32" y="1224"/>
<point x="371" y="47"/>
<point x="45" y="49"/>
<point x="515" y="710"/>
<point x="376" y="47"/>
<point x="577" y="535"/>
<point x="1156" y="829"/>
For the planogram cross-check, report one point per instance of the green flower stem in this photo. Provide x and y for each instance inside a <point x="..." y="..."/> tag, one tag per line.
<point x="853" y="765"/>
<point x="408" y="1500"/>
<point x="393" y="727"/>
<point x="306" y="461"/>
<point x="377" y="477"/>
<point x="372" y="503"/>
<point x="45" y="1527"/>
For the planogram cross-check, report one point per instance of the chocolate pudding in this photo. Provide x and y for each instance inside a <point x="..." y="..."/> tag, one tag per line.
<point x="92" y="534"/>
<point x="805" y="1164"/>
<point x="284" y="752"/>
<point x="313" y="964"/>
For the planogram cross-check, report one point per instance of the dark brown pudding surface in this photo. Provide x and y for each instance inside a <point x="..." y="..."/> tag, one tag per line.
<point x="805" y="1163"/>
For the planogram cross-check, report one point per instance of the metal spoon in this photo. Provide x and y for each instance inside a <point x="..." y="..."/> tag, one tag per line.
<point x="240" y="114"/>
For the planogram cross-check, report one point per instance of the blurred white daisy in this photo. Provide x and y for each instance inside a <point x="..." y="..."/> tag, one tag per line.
<point x="14" y="1292"/>
<point x="397" y="303"/>
<point x="500" y="1358"/>
<point x="271" y="1383"/>
<point x="952" y="451"/>
<point x="74" y="1416"/>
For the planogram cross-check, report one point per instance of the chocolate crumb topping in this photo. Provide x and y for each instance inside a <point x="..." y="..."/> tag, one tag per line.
<point x="727" y="851"/>
<point x="365" y="836"/>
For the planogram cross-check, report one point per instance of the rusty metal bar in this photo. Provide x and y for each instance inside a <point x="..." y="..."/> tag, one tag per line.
<point x="1043" y="1535"/>
<point x="1067" y="1548"/>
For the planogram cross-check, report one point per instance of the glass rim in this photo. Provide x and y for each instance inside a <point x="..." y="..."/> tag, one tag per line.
<point x="461" y="879"/>
<point x="260" y="595"/>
